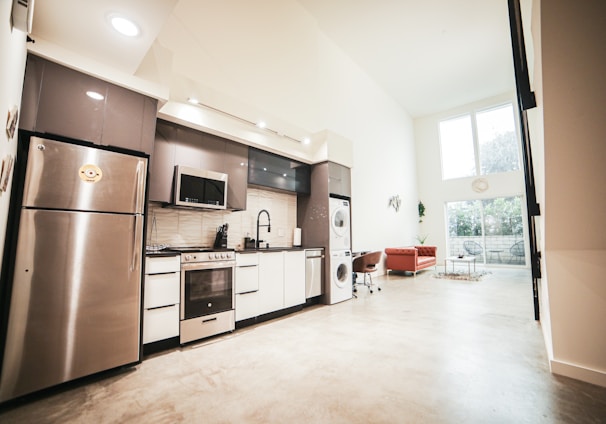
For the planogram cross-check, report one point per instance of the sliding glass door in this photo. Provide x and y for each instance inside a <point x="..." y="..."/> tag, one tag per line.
<point x="492" y="230"/>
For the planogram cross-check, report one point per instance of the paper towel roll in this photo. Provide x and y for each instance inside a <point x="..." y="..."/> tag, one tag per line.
<point x="296" y="237"/>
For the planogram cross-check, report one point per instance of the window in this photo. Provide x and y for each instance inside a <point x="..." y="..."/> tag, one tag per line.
<point x="456" y="138"/>
<point x="479" y="143"/>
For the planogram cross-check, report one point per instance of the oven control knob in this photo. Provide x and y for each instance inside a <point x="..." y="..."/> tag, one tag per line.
<point x="188" y="257"/>
<point x="217" y="255"/>
<point x="210" y="256"/>
<point x="222" y="255"/>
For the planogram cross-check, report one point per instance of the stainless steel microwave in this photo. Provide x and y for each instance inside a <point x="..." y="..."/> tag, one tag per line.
<point x="199" y="188"/>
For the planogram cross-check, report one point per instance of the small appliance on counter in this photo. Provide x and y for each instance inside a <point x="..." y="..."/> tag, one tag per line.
<point x="221" y="237"/>
<point x="249" y="243"/>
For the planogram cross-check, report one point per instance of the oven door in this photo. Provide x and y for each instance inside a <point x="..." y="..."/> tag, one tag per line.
<point x="206" y="288"/>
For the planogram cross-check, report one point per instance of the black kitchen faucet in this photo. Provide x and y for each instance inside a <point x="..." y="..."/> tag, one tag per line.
<point x="268" y="225"/>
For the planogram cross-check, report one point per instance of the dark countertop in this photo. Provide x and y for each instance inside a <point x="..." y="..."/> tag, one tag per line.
<point x="168" y="252"/>
<point x="270" y="249"/>
<point x="161" y="253"/>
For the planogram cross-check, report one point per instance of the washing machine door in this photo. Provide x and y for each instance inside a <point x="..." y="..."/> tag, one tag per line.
<point x="343" y="275"/>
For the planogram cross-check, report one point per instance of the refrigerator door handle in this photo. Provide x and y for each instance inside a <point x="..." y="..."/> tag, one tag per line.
<point x="140" y="184"/>
<point x="137" y="244"/>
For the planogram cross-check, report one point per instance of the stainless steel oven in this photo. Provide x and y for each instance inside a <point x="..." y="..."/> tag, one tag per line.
<point x="207" y="293"/>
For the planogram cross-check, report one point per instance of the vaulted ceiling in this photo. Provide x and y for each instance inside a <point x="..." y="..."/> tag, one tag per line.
<point x="428" y="55"/>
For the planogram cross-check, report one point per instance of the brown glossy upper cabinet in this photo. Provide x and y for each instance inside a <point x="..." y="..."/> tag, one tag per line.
<point x="178" y="145"/>
<point x="339" y="179"/>
<point x="57" y="100"/>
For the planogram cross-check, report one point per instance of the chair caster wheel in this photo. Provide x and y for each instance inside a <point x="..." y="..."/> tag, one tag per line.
<point x="355" y="290"/>
<point x="371" y="291"/>
<point x="379" y="288"/>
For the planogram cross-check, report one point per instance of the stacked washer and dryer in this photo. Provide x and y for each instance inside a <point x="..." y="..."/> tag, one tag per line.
<point x="340" y="285"/>
<point x="325" y="219"/>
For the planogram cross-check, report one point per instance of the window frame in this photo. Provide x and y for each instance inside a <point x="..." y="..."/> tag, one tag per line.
<point x="476" y="141"/>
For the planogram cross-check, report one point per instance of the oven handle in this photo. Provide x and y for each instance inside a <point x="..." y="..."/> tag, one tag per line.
<point x="207" y="265"/>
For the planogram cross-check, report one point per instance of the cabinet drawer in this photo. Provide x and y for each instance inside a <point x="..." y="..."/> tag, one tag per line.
<point x="247" y="278"/>
<point x="162" y="289"/>
<point x="247" y="259"/>
<point x="246" y="305"/>
<point x="160" y="323"/>
<point x="162" y="264"/>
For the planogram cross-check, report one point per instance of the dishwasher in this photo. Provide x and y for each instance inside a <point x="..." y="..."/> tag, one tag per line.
<point x="314" y="259"/>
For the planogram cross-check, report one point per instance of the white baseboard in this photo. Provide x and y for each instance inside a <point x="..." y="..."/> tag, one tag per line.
<point x="577" y="372"/>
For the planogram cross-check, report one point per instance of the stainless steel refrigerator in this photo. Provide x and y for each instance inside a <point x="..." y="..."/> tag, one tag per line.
<point x="76" y="288"/>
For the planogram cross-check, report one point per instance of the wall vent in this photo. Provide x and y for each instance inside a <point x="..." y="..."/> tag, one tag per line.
<point x="23" y="15"/>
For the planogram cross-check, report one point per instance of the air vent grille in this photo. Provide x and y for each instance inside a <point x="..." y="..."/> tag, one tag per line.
<point x="23" y="15"/>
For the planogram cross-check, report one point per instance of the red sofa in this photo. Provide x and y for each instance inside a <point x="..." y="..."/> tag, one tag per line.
<point x="411" y="259"/>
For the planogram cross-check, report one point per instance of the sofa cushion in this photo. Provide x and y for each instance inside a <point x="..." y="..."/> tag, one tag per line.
<point x="426" y="260"/>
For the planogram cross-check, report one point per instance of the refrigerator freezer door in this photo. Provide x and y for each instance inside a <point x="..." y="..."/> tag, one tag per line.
<point x="75" y="307"/>
<point x="68" y="176"/>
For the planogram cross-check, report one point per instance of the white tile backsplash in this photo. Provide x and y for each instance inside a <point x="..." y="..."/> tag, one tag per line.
<point x="185" y="227"/>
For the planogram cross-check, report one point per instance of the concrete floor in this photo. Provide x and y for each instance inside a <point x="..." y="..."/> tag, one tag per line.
<point x="423" y="350"/>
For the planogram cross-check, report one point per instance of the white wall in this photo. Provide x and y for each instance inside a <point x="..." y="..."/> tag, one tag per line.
<point x="434" y="192"/>
<point x="569" y="83"/>
<point x="276" y="61"/>
<point x="12" y="68"/>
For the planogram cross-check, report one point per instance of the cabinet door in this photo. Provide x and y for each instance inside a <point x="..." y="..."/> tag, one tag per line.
<point x="125" y="120"/>
<point x="30" y="99"/>
<point x="271" y="282"/>
<point x="212" y="153"/>
<point x="339" y="179"/>
<point x="162" y="165"/>
<point x="294" y="278"/>
<point x="64" y="107"/>
<point x="187" y="148"/>
<point x="236" y="166"/>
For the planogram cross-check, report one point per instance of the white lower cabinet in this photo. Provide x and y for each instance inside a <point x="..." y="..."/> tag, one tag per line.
<point x="271" y="282"/>
<point x="247" y="285"/>
<point x="268" y="282"/>
<point x="160" y="323"/>
<point x="161" y="298"/>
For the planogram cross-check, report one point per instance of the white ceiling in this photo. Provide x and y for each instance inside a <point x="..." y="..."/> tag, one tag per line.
<point x="429" y="55"/>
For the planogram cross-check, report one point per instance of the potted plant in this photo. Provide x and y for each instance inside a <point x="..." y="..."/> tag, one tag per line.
<point x="421" y="211"/>
<point x="421" y="239"/>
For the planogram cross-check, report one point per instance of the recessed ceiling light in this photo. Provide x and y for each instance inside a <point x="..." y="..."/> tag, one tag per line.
<point x="193" y="100"/>
<point x="306" y="140"/>
<point x="261" y="124"/>
<point x="94" y="95"/>
<point x="124" y="25"/>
